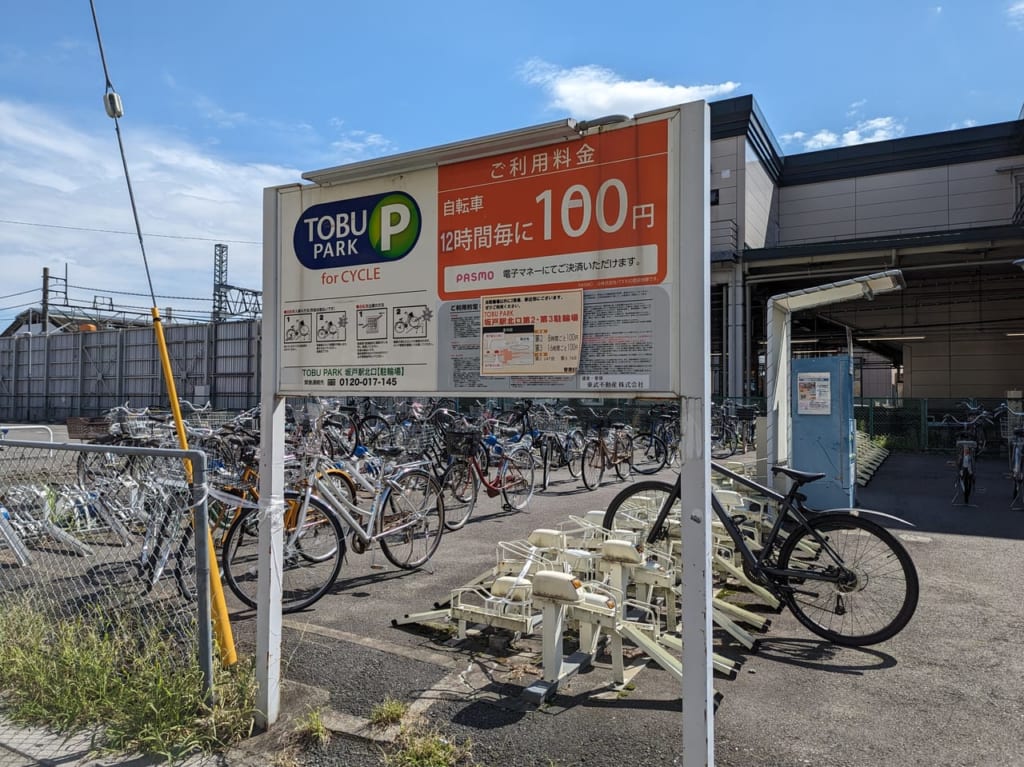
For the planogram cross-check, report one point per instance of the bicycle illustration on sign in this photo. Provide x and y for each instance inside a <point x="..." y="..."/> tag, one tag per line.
<point x="370" y="326"/>
<point x="412" y="321"/>
<point x="297" y="328"/>
<point x="331" y="326"/>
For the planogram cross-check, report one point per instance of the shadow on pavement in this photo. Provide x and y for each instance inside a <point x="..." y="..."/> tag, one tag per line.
<point x="918" y="487"/>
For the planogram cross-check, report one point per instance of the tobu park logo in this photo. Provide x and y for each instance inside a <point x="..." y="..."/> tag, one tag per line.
<point x="364" y="230"/>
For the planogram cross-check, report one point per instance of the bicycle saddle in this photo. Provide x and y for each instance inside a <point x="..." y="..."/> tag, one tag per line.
<point x="800" y="477"/>
<point x="393" y="451"/>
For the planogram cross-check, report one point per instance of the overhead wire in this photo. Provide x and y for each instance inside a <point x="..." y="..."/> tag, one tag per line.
<point x="219" y="615"/>
<point x="121" y="231"/>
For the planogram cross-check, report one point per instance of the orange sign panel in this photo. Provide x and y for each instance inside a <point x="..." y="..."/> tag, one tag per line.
<point x="585" y="214"/>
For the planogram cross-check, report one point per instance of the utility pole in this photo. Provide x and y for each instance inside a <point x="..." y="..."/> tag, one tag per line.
<point x="220" y="279"/>
<point x="46" y="300"/>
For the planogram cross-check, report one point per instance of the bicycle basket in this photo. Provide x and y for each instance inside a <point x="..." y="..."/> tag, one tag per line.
<point x="746" y="413"/>
<point x="462" y="442"/>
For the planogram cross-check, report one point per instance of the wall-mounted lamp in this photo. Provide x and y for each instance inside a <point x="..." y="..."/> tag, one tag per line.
<point x="584" y="125"/>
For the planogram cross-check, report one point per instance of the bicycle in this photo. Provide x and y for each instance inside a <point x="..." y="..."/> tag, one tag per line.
<point x="406" y="518"/>
<point x="612" y="447"/>
<point x="513" y="479"/>
<point x="349" y="426"/>
<point x="843" y="577"/>
<point x="561" y="443"/>
<point x="967" y="451"/>
<point x="724" y="440"/>
<point x="1015" y="445"/>
<point x="664" y="424"/>
<point x="979" y="416"/>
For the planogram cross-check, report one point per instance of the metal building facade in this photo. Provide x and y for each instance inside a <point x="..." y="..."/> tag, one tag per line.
<point x="50" y="378"/>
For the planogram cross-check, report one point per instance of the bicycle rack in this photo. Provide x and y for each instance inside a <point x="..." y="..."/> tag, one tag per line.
<point x="29" y="507"/>
<point x="610" y="587"/>
<point x="561" y="598"/>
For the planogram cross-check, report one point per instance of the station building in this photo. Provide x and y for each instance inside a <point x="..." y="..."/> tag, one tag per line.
<point x="947" y="209"/>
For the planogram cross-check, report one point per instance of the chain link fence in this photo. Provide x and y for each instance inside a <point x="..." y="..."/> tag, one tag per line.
<point x="925" y="425"/>
<point x="98" y="562"/>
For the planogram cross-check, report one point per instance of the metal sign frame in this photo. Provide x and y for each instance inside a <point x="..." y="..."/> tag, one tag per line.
<point x="378" y="200"/>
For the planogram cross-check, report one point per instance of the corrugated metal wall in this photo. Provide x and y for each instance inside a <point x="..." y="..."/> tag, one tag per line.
<point x="49" y="379"/>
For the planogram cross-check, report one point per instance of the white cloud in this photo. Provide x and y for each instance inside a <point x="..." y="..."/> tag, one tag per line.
<point x="823" y="139"/>
<point x="968" y="123"/>
<point x="355" y="145"/>
<point x="591" y="91"/>
<point x="1015" y="13"/>
<point x="66" y="203"/>
<point x="855" y="107"/>
<point x="863" y="132"/>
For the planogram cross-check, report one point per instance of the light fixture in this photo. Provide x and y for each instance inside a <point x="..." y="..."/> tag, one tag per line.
<point x="406" y="162"/>
<point x="1014" y="335"/>
<point x="804" y="341"/>
<point x="582" y="126"/>
<point x="891" y="338"/>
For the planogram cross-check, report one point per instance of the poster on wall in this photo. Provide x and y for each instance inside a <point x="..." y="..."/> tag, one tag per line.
<point x="814" y="393"/>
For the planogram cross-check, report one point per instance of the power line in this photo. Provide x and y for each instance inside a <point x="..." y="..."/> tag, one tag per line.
<point x="105" y="291"/>
<point x="17" y="306"/>
<point x="21" y="293"/>
<point x="119" y="231"/>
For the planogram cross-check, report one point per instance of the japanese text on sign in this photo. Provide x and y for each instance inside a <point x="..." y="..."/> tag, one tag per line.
<point x="584" y="212"/>
<point x="536" y="334"/>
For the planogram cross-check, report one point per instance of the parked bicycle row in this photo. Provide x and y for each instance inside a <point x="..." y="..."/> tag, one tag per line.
<point x="971" y="428"/>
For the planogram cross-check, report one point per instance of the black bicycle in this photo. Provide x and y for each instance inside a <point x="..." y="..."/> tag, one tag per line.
<point x="844" y="577"/>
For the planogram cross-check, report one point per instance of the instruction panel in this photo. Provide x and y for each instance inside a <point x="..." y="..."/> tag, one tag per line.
<point x="620" y="351"/>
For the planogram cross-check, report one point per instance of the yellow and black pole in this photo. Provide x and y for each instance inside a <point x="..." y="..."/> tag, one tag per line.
<point x="221" y="622"/>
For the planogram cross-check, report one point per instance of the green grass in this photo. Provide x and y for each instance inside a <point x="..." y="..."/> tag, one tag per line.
<point x="389" y="711"/>
<point x="131" y="686"/>
<point x="417" y="749"/>
<point x="311" y="730"/>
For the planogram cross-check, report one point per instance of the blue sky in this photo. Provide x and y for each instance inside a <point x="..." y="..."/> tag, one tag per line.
<point x="225" y="98"/>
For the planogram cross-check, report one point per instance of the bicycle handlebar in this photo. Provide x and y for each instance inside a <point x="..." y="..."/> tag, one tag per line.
<point x="984" y="415"/>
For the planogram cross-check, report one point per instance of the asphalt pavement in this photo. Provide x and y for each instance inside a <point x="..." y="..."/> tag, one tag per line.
<point x="945" y="691"/>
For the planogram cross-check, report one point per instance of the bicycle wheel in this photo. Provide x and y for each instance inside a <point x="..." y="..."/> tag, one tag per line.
<point x="574" y="444"/>
<point x="413" y="520"/>
<point x="667" y="433"/>
<point x="183" y="565"/>
<point x="516" y="478"/>
<point x="547" y="449"/>
<point x="340" y="433"/>
<point x="623" y="455"/>
<point x="99" y="468"/>
<point x="374" y="431"/>
<point x="876" y="594"/>
<point x="649" y="454"/>
<point x="314" y="546"/>
<point x="340" y="483"/>
<point x="459" y="488"/>
<point x="966" y="483"/>
<point x="637" y="506"/>
<point x="592" y="465"/>
<point x="723" y="443"/>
